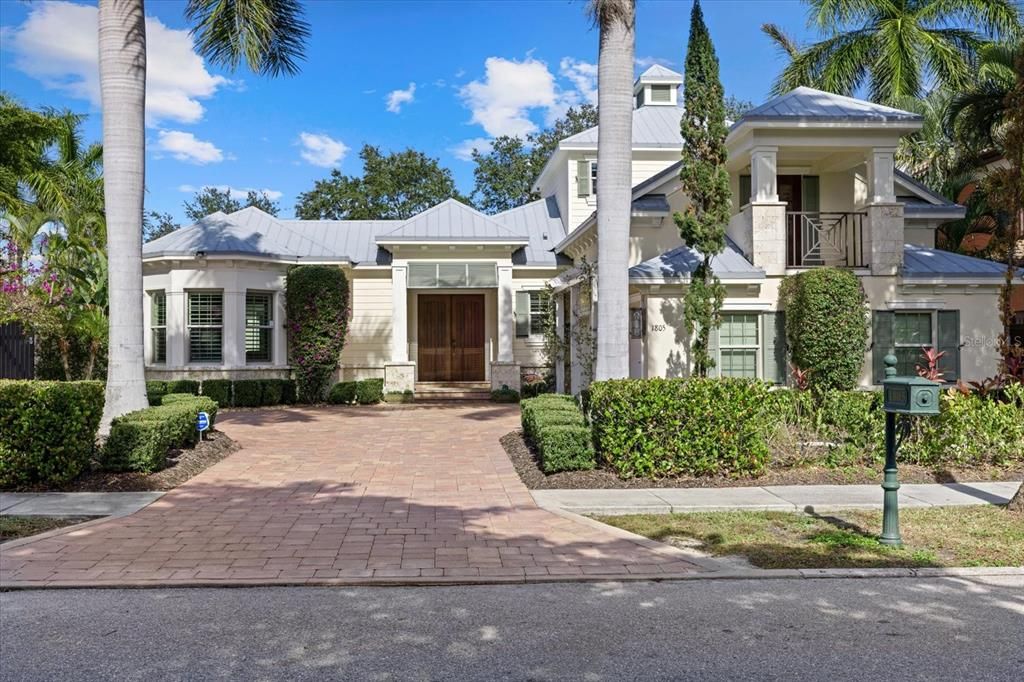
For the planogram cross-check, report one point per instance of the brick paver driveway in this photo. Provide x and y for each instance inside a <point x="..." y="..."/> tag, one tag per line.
<point x="326" y="495"/>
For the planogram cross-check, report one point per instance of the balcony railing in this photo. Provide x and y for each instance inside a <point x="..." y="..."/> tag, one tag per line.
<point x="815" y="239"/>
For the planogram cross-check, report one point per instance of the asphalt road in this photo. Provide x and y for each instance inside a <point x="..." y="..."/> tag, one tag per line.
<point x="896" y="629"/>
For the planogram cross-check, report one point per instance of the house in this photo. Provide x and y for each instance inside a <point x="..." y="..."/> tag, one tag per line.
<point x="453" y="295"/>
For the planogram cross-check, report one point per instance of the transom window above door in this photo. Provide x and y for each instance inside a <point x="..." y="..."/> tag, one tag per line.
<point x="452" y="275"/>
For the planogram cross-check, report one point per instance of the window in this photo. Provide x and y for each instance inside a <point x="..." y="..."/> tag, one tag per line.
<point x="205" y="326"/>
<point x="661" y="93"/>
<point x="158" y="326"/>
<point x="259" y="326"/>
<point x="452" y="275"/>
<point x="739" y="343"/>
<point x="531" y="313"/>
<point x="593" y="177"/>
<point x="912" y="331"/>
<point x="586" y="178"/>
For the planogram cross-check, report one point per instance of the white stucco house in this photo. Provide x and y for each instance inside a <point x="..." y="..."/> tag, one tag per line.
<point x="452" y="295"/>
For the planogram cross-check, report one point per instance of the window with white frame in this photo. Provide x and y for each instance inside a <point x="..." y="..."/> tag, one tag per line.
<point x="739" y="344"/>
<point x="259" y="326"/>
<point x="205" y="326"/>
<point x="586" y="178"/>
<point x="593" y="177"/>
<point x="912" y="331"/>
<point x="158" y="326"/>
<point x="531" y="313"/>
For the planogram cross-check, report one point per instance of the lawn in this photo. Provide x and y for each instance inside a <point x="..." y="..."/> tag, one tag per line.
<point x="15" y="527"/>
<point x="936" y="536"/>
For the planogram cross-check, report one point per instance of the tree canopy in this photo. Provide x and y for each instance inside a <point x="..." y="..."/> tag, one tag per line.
<point x="393" y="186"/>
<point x="210" y="200"/>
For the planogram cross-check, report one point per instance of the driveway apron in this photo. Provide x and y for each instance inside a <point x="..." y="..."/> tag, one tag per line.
<point x="410" y="493"/>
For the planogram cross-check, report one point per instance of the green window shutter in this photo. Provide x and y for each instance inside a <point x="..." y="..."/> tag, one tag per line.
<point x="774" y="347"/>
<point x="949" y="343"/>
<point x="713" y="352"/>
<point x="522" y="314"/>
<point x="744" y="190"/>
<point x="882" y="322"/>
<point x="583" y="178"/>
<point x="811" y="193"/>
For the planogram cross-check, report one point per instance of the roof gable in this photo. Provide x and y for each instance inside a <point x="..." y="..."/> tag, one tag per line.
<point x="808" y="104"/>
<point x="451" y="220"/>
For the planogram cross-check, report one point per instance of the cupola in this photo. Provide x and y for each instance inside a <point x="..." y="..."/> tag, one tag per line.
<point x="657" y="86"/>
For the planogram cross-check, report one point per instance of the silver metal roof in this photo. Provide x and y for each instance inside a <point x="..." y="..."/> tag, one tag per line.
<point x="657" y="72"/>
<point x="451" y="220"/>
<point x="541" y="222"/>
<point x="808" y="104"/>
<point x="680" y="263"/>
<point x="656" y="127"/>
<point x="922" y="262"/>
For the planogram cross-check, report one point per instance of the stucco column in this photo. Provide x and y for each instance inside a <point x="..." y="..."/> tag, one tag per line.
<point x="506" y="314"/>
<point x="234" y="329"/>
<point x="280" y="330"/>
<point x="884" y="238"/>
<point x="399" y="314"/>
<point x="881" y="176"/>
<point x="763" y="181"/>
<point x="576" y="371"/>
<point x="559" y="303"/>
<point x="768" y="227"/>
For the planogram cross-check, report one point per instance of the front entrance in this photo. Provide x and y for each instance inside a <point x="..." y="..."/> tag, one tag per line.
<point x="451" y="337"/>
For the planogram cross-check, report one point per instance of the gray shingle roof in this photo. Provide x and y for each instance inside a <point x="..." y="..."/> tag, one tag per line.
<point x="541" y="222"/>
<point x="657" y="72"/>
<point x="922" y="262"/>
<point x="680" y="263"/>
<point x="451" y="220"/>
<point x="656" y="127"/>
<point x="808" y="104"/>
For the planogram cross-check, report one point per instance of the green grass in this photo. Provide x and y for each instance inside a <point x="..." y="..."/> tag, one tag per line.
<point x="937" y="536"/>
<point x="15" y="527"/>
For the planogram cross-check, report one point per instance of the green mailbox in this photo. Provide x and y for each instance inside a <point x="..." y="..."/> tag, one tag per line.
<point x="911" y="395"/>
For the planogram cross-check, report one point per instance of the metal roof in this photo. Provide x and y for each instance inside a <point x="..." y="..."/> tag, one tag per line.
<point x="656" y="127"/>
<point x="808" y="104"/>
<point x="657" y="72"/>
<point x="682" y="261"/>
<point x="541" y="222"/>
<point x="922" y="262"/>
<point x="451" y="220"/>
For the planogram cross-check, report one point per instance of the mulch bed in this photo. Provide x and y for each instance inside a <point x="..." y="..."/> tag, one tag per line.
<point x="527" y="464"/>
<point x="181" y="466"/>
<point x="17" y="527"/>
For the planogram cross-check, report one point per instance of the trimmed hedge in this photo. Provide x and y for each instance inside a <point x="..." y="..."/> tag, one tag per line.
<point x="155" y="390"/>
<point x="218" y="390"/>
<point x="140" y="441"/>
<point x="47" y="429"/>
<point x="505" y="395"/>
<point x="183" y="386"/>
<point x="342" y="393"/>
<point x="544" y="404"/>
<point x="248" y="393"/>
<point x="399" y="397"/>
<point x="369" y="391"/>
<point x="566" y="448"/>
<point x="288" y="396"/>
<point x="671" y="427"/>
<point x="273" y="392"/>
<point x="317" y="303"/>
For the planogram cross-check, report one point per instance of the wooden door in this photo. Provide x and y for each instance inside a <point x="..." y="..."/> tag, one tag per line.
<point x="451" y="337"/>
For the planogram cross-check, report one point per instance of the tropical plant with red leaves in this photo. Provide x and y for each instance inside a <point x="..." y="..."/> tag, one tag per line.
<point x="930" y="370"/>
<point x="801" y="377"/>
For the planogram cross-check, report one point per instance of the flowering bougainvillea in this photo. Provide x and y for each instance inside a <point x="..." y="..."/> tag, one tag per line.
<point x="317" y="303"/>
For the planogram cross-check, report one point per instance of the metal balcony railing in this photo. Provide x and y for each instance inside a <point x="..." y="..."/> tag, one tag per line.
<point x="816" y="239"/>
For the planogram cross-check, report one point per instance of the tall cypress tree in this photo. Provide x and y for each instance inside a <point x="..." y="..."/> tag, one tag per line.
<point x="706" y="181"/>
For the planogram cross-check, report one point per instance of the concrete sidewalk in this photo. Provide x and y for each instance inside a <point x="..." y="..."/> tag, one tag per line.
<point x="75" y="504"/>
<point x="774" y="497"/>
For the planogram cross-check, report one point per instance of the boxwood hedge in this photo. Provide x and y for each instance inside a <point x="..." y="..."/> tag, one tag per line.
<point x="141" y="440"/>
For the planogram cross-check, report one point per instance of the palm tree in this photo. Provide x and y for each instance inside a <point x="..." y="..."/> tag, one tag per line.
<point x="975" y="115"/>
<point x="616" y="20"/>
<point x="269" y="36"/>
<point x="894" y="48"/>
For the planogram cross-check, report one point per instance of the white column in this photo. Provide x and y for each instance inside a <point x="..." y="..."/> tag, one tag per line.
<point x="234" y="329"/>
<point x="177" y="340"/>
<point x="280" y="334"/>
<point x="506" y="314"/>
<point x="559" y="303"/>
<point x="399" y="314"/>
<point x="763" y="182"/>
<point x="881" y="176"/>
<point x="575" y="368"/>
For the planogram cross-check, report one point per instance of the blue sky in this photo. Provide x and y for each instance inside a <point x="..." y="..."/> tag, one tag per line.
<point x="437" y="76"/>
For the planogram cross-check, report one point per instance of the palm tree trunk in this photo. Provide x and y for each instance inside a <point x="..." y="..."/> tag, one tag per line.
<point x="616" y="19"/>
<point x="122" y="57"/>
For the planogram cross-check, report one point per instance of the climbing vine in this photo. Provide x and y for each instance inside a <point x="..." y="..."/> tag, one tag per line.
<point x="317" y="304"/>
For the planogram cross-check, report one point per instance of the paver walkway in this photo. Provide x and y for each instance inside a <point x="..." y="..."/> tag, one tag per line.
<point x="328" y="495"/>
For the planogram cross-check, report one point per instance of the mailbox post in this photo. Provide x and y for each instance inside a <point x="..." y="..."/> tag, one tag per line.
<point x="907" y="397"/>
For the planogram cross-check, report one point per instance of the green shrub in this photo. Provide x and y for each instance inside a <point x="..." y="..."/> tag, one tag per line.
<point x="218" y="390"/>
<point x="369" y="391"/>
<point x="155" y="390"/>
<point x="317" y="301"/>
<point x="540" y="409"/>
<point x="826" y="326"/>
<point x="139" y="441"/>
<point x="399" y="397"/>
<point x="505" y="395"/>
<point x="172" y="398"/>
<point x="47" y="429"/>
<point x="535" y="387"/>
<point x="287" y="391"/>
<point x="342" y="393"/>
<point x="566" y="448"/>
<point x="273" y="392"/>
<point x="668" y="427"/>
<point x="248" y="393"/>
<point x="183" y="386"/>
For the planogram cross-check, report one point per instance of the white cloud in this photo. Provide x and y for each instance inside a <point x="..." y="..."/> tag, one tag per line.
<point x="186" y="147"/>
<point x="322" y="150"/>
<point x="56" y="44"/>
<point x="464" y="150"/>
<point x="396" y="98"/>
<point x="502" y="101"/>
<point x="583" y="76"/>
<point x="236" y="192"/>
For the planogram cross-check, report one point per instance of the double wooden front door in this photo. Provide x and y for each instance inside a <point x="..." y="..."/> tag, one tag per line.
<point x="451" y="337"/>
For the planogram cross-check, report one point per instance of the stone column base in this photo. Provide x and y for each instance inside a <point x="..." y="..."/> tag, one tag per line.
<point x="506" y="374"/>
<point x="399" y="377"/>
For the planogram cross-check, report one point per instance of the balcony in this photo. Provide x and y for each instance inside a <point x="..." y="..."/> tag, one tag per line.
<point x="816" y="239"/>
